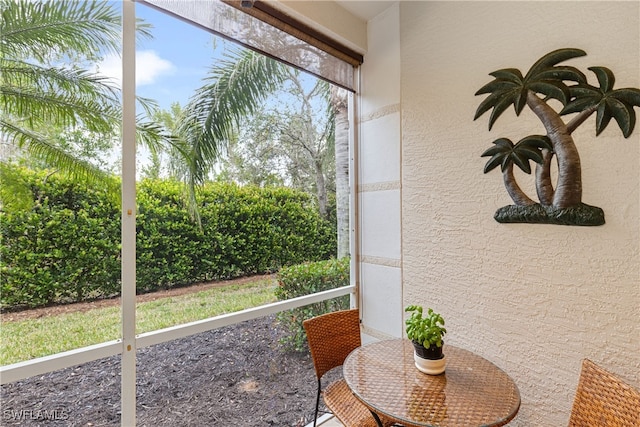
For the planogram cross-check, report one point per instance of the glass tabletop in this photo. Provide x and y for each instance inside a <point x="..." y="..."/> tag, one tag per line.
<point x="471" y="392"/>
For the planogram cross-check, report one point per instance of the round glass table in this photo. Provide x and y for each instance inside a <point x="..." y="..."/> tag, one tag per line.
<point x="471" y="392"/>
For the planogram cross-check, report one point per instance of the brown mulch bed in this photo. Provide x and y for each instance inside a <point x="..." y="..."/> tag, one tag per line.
<point x="238" y="375"/>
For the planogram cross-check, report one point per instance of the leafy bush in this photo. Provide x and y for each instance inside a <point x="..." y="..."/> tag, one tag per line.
<point x="67" y="247"/>
<point x="245" y="230"/>
<point x="305" y="279"/>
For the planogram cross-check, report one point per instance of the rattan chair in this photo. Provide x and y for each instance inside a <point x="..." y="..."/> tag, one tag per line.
<point x="331" y="338"/>
<point x="602" y="399"/>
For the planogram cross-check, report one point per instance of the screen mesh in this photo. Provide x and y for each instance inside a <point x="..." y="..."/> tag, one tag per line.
<point x="263" y="29"/>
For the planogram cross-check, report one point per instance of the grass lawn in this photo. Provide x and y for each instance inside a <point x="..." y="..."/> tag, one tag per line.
<point x="28" y="339"/>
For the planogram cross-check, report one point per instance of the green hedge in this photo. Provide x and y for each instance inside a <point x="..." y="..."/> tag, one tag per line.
<point x="305" y="279"/>
<point x="67" y="248"/>
<point x="63" y="249"/>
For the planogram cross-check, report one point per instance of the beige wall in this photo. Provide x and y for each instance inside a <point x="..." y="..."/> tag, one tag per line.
<point x="379" y="169"/>
<point x="534" y="299"/>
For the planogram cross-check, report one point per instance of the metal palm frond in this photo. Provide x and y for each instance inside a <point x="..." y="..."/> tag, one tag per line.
<point x="544" y="77"/>
<point x="504" y="152"/>
<point x="607" y="102"/>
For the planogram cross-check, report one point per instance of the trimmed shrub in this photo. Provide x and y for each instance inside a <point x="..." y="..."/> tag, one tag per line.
<point x="245" y="231"/>
<point x="305" y="279"/>
<point x="67" y="248"/>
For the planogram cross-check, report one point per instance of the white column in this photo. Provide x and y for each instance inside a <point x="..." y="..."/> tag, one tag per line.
<point x="128" y="368"/>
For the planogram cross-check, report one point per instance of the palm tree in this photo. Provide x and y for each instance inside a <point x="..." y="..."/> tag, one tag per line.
<point x="233" y="91"/>
<point x="339" y="107"/>
<point x="35" y="94"/>
<point x="547" y="78"/>
<point x="505" y="154"/>
<point x="509" y="87"/>
<point x="38" y="92"/>
<point x="606" y="101"/>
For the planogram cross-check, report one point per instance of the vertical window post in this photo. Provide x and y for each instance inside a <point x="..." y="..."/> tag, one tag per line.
<point x="128" y="238"/>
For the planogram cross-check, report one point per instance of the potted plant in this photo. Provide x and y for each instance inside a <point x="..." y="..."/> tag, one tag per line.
<point x="426" y="333"/>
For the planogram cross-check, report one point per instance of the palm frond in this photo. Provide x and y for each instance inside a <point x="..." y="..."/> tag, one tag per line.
<point x="500" y="100"/>
<point x="631" y="96"/>
<point x="488" y="103"/>
<point x="499" y="153"/>
<point x="605" y="77"/>
<point x="235" y="89"/>
<point x="607" y="102"/>
<point x="603" y="117"/>
<point x="589" y="99"/>
<point x="503" y="144"/>
<point x="511" y="74"/>
<point x="504" y="152"/>
<point x="623" y="114"/>
<point x="57" y="27"/>
<point x="499" y="108"/>
<point x="562" y="73"/>
<point x="40" y="147"/>
<point x="552" y="89"/>
<point x="494" y="162"/>
<point x="521" y="100"/>
<point x="535" y="142"/>
<point x="33" y="108"/>
<point x="553" y="58"/>
<point x="521" y="161"/>
<point x="498" y="85"/>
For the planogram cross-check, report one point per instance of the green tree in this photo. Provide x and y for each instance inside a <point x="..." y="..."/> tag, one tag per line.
<point x="235" y="90"/>
<point x="290" y="139"/>
<point x="255" y="157"/>
<point x="547" y="78"/>
<point x="40" y="91"/>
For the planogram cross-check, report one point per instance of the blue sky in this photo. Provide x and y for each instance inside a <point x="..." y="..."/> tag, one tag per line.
<point x="169" y="67"/>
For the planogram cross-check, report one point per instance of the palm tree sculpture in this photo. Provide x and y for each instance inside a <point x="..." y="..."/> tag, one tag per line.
<point x="561" y="204"/>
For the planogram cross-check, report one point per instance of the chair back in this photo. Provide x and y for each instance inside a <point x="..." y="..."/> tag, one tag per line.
<point x="602" y="399"/>
<point x="332" y="337"/>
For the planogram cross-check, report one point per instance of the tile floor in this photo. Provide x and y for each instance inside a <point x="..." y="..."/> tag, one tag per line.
<point x="332" y="422"/>
<point x="327" y="421"/>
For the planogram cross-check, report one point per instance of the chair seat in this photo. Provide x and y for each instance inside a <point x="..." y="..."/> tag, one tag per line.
<point x="347" y="408"/>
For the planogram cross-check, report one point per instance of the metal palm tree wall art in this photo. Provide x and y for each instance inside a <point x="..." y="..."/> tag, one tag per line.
<point x="562" y="203"/>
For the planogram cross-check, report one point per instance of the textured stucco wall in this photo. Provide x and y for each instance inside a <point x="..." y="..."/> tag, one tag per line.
<point x="534" y="299"/>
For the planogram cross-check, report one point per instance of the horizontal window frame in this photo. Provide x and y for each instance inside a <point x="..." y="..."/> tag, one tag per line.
<point x="43" y="365"/>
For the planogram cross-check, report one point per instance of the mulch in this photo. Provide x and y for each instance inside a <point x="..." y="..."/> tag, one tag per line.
<point x="238" y="375"/>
